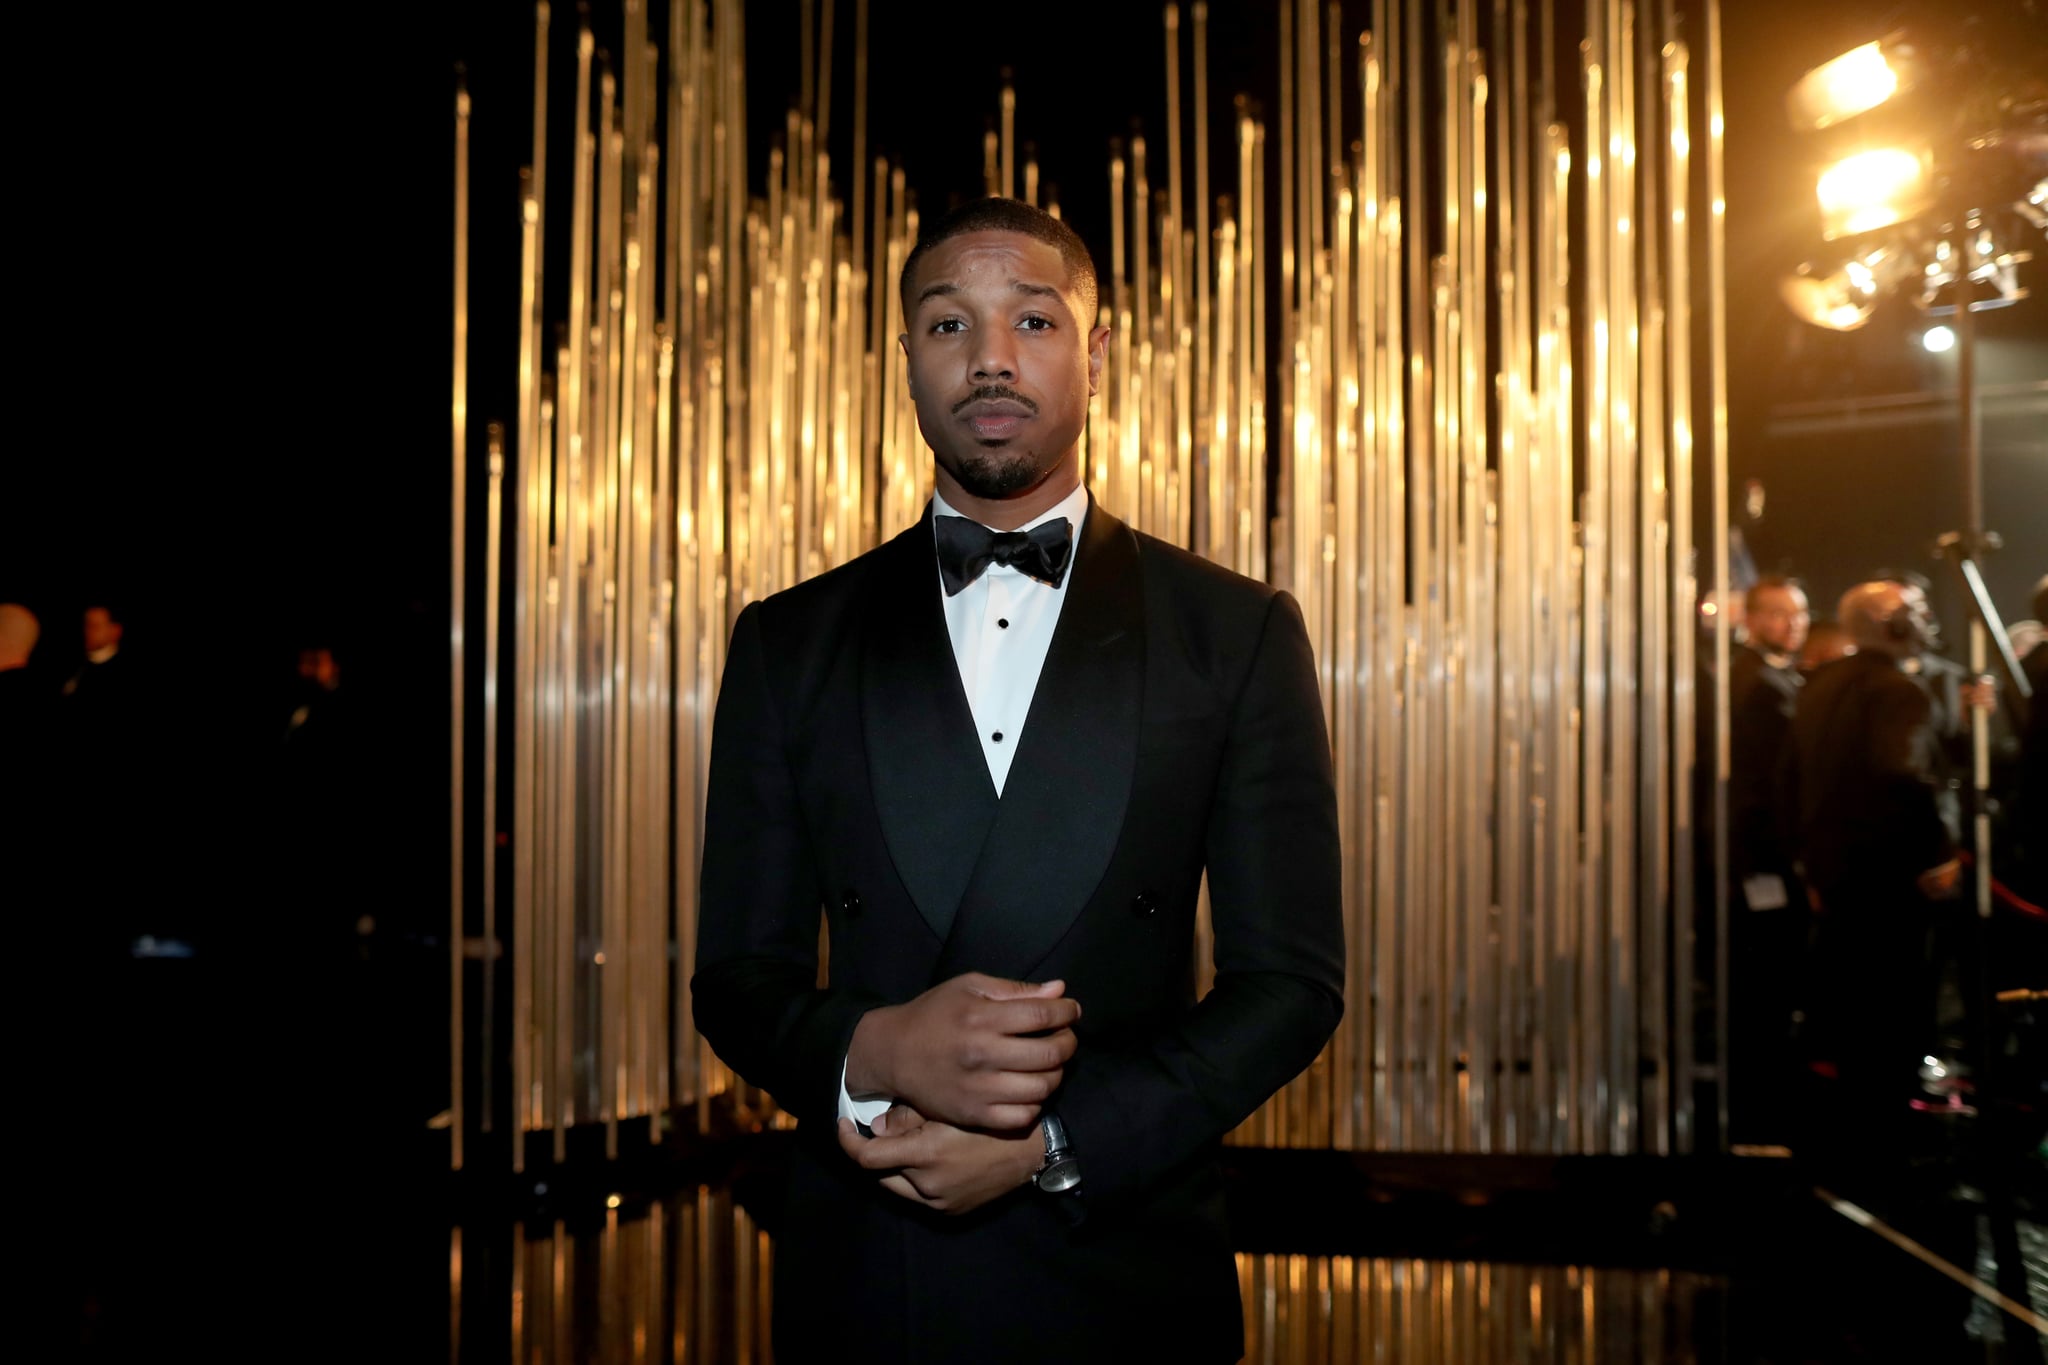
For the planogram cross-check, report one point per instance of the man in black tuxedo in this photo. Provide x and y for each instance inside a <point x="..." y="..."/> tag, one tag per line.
<point x="1763" y="689"/>
<point x="1861" y="801"/>
<point x="1000" y="751"/>
<point x="1769" y="922"/>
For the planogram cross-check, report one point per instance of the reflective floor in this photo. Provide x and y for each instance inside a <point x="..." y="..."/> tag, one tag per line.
<point x="322" y="1225"/>
<point x="686" y="1278"/>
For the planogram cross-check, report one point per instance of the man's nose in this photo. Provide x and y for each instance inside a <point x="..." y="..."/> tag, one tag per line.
<point x="996" y="355"/>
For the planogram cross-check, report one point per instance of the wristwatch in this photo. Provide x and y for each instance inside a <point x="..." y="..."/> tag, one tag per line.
<point x="1062" y="1169"/>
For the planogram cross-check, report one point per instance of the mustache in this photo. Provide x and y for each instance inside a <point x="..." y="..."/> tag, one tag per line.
<point x="989" y="392"/>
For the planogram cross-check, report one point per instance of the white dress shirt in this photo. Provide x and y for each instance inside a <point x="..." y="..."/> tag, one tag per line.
<point x="1001" y="626"/>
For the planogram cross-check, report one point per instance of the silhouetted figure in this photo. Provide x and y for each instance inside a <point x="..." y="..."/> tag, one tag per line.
<point x="1768" y="932"/>
<point x="324" y="801"/>
<point x="103" y="814"/>
<point x="1861" y="804"/>
<point x="20" y="698"/>
<point x="25" y="705"/>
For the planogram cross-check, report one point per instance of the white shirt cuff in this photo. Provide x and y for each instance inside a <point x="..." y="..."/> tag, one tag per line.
<point x="863" y="1112"/>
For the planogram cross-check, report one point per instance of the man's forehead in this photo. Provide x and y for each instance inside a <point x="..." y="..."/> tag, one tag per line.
<point x="979" y="258"/>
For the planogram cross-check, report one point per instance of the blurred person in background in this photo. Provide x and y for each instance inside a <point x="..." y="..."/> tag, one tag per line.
<point x="1860" y="802"/>
<point x="1770" y="923"/>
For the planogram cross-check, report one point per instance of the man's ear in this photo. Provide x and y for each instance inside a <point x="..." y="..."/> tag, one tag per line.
<point x="903" y="344"/>
<point x="1098" y="351"/>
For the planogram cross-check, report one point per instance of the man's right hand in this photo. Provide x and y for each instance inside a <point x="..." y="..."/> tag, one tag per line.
<point x="976" y="1051"/>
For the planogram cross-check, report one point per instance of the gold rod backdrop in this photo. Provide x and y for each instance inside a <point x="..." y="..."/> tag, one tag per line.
<point x="1479" y="485"/>
<point x="458" y="562"/>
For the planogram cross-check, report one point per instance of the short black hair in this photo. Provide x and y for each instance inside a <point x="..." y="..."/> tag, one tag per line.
<point x="1008" y="215"/>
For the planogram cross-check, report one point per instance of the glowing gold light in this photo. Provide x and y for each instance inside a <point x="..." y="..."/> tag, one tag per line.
<point x="1857" y="81"/>
<point x="1871" y="190"/>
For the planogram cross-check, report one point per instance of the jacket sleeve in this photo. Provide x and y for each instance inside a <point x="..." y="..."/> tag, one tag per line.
<point x="1138" y="1112"/>
<point x="1905" y="764"/>
<point x="755" y="994"/>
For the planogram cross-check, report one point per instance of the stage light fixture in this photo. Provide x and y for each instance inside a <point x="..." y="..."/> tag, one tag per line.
<point x="1938" y="339"/>
<point x="1854" y="83"/>
<point x="1874" y="189"/>
<point x="1841" y="299"/>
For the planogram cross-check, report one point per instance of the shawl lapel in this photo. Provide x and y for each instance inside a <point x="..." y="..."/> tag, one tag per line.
<point x="930" y="781"/>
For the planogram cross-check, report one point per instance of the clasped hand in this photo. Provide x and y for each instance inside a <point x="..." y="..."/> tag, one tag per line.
<point x="975" y="1051"/>
<point x="939" y="1166"/>
<point x="970" y="1062"/>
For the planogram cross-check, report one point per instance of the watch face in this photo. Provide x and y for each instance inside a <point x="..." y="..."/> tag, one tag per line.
<point x="1063" y="1175"/>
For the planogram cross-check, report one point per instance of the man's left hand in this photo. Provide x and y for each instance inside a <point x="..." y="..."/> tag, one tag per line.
<point x="942" y="1167"/>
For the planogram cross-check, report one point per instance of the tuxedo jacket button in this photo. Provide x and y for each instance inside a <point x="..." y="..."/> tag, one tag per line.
<point x="849" y="903"/>
<point x="1144" y="905"/>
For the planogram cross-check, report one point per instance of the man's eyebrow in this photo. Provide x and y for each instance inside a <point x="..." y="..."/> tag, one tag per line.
<point x="943" y="289"/>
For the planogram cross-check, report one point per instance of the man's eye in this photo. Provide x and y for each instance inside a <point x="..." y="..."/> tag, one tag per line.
<point x="948" y="325"/>
<point x="1036" y="324"/>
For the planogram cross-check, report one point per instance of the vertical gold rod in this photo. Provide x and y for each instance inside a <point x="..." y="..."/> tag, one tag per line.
<point x="1511" y="715"/>
<point x="1367" y="964"/>
<point x="1566" y="642"/>
<point x="1173" y="458"/>
<point x="531" y="450"/>
<point x="1207" y="450"/>
<point x="1623" y="602"/>
<point x="458" y="496"/>
<point x="1595" y="958"/>
<point x="607" y="445"/>
<point x="487" y="1020"/>
<point x="1279" y="527"/>
<point x="822" y="113"/>
<point x="1684" y="584"/>
<point x="1311" y="168"/>
<point x="572" y="487"/>
<point x="1344" y="695"/>
<point x="455" y="1296"/>
<point x="1717" y="457"/>
<point x="1482" y="982"/>
<point x="1653" y="536"/>
<point x="857" y="221"/>
<point x="1009" y="145"/>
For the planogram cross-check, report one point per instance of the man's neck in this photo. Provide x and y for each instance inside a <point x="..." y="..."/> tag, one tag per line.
<point x="1007" y="514"/>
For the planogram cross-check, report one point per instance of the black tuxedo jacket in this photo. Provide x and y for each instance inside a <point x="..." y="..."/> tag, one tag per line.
<point x="1859" y="791"/>
<point x="1761" y="703"/>
<point x="1176" y="727"/>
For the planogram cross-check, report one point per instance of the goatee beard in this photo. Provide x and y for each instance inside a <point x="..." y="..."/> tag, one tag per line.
<point x="995" y="476"/>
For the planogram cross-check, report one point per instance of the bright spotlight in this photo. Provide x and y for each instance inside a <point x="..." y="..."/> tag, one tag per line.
<point x="1872" y="190"/>
<point x="1857" y="81"/>
<point x="1938" y="339"/>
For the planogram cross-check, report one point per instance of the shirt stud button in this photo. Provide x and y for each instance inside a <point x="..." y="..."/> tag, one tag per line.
<point x="1003" y="622"/>
<point x="1144" y="905"/>
<point x="997" y="736"/>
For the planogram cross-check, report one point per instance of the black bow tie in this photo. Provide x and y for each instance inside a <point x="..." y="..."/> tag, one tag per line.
<point x="967" y="548"/>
